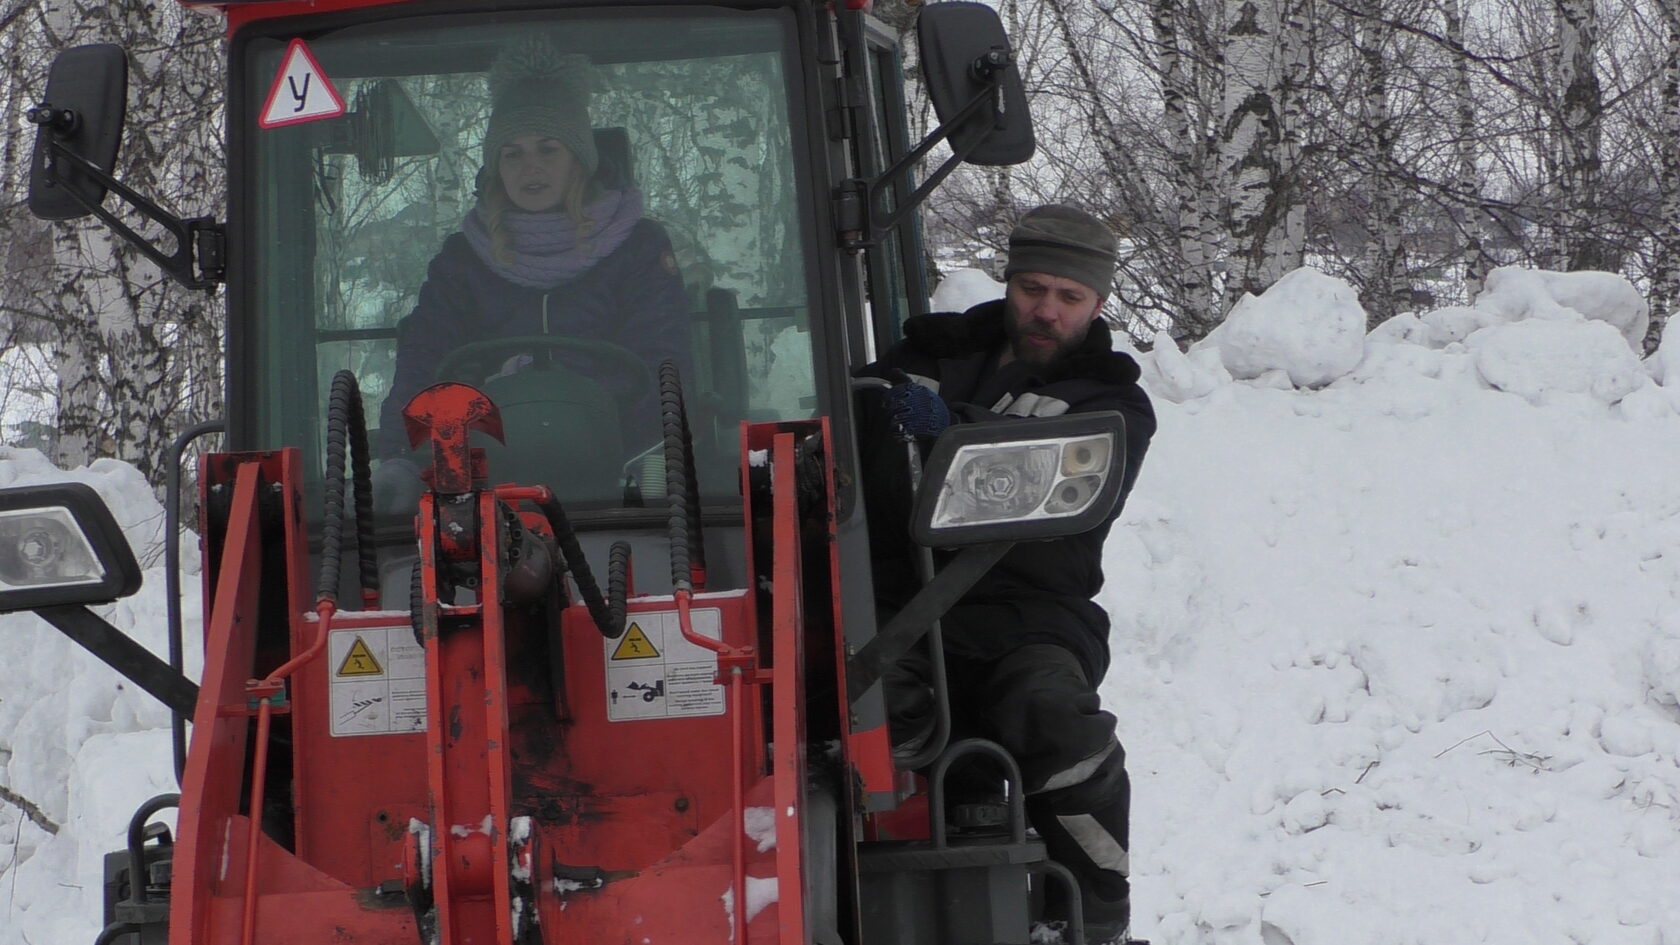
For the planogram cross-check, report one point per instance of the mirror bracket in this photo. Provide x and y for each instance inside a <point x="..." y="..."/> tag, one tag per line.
<point x="200" y="257"/>
<point x="989" y="69"/>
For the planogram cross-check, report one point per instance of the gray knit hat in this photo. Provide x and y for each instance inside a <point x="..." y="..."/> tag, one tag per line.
<point x="1059" y="240"/>
<point x="536" y="90"/>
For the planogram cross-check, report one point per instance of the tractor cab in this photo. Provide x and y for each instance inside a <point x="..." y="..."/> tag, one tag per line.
<point x="700" y="112"/>
<point x="491" y="748"/>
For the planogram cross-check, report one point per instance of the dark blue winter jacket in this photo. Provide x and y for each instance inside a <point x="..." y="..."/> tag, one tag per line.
<point x="1041" y="591"/>
<point x="633" y="298"/>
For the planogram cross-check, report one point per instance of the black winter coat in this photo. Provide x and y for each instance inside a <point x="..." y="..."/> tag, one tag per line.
<point x="633" y="298"/>
<point x="1041" y="591"/>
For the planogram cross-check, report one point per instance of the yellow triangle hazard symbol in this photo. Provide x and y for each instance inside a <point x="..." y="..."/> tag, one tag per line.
<point x="359" y="661"/>
<point x="635" y="645"/>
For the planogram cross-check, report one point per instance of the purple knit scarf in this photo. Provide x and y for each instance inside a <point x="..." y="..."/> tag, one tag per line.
<point x="546" y="248"/>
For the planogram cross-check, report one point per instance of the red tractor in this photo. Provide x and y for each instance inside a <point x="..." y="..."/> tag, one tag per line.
<point x="467" y="740"/>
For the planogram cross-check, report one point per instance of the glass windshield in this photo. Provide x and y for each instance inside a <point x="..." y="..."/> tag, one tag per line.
<point x="543" y="206"/>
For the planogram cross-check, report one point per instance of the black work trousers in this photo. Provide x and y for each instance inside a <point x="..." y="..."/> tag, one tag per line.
<point x="1036" y="702"/>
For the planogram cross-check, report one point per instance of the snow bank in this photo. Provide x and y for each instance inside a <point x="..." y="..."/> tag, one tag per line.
<point x="1538" y="359"/>
<point x="1398" y="660"/>
<point x="964" y="289"/>
<point x="1515" y="294"/>
<point x="1308" y="325"/>
<point x="76" y="740"/>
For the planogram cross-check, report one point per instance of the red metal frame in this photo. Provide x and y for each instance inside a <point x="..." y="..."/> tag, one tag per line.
<point x="656" y="806"/>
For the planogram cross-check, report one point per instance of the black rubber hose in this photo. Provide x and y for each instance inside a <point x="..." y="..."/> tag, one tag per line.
<point x="416" y="605"/>
<point x="618" y="570"/>
<point x="571" y="555"/>
<point x="346" y="421"/>
<point x="697" y="543"/>
<point x="676" y="474"/>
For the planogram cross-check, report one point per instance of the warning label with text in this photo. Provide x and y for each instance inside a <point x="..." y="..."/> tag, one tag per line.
<point x="377" y="681"/>
<point x="654" y="673"/>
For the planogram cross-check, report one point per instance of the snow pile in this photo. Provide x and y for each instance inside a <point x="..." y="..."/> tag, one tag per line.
<point x="1307" y="326"/>
<point x="1398" y="660"/>
<point x="79" y="745"/>
<point x="964" y="289"/>
<point x="1541" y="358"/>
<point x="1516" y="294"/>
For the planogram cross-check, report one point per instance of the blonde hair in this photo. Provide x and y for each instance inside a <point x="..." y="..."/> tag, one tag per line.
<point x="495" y="205"/>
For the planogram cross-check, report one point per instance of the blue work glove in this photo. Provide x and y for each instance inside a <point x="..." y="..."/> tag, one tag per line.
<point x="915" y="410"/>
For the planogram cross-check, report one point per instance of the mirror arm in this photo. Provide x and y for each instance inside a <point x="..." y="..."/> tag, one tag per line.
<point x="869" y="664"/>
<point x="124" y="655"/>
<point x="875" y="230"/>
<point x="195" y="270"/>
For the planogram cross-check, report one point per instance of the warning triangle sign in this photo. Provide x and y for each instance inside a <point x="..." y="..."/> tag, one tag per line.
<point x="360" y="661"/>
<point x="635" y="645"/>
<point x="301" y="91"/>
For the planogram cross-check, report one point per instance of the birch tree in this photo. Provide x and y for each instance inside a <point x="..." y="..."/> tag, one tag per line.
<point x="1579" y="133"/>
<point x="1195" y="184"/>
<point x="1375" y="139"/>
<point x="137" y="357"/>
<point x="1665" y="269"/>
<point x="1464" y="180"/>
<point x="1252" y="153"/>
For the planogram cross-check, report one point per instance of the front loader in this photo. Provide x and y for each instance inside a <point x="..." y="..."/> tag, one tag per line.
<point x="603" y="684"/>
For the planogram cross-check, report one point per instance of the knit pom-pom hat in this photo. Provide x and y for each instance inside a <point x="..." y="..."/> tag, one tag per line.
<point x="536" y="90"/>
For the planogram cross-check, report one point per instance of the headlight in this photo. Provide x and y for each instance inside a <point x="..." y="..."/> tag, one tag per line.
<point x="60" y="545"/>
<point x="985" y="482"/>
<point x="44" y="547"/>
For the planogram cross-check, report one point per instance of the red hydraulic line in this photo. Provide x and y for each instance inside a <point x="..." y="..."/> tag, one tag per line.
<point x="248" y="930"/>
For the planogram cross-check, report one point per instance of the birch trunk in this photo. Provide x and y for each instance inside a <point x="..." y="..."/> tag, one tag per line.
<point x="1580" y="131"/>
<point x="1380" y="264"/>
<point x="1465" y="182"/>
<point x="1665" y="269"/>
<point x="1287" y="250"/>
<point x="1250" y="144"/>
<point x="1195" y="189"/>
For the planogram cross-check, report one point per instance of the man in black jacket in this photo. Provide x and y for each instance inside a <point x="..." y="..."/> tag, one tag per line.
<point x="1026" y="647"/>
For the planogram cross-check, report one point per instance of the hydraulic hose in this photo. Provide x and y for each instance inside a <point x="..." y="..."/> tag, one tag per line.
<point x="608" y="619"/>
<point x="682" y="492"/>
<point x="346" y="421"/>
<point x="618" y="570"/>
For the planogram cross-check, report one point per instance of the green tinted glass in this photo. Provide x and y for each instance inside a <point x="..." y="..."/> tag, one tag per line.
<point x="355" y="214"/>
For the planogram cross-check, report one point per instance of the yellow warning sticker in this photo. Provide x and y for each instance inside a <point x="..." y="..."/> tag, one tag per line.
<point x="635" y="645"/>
<point x="360" y="661"/>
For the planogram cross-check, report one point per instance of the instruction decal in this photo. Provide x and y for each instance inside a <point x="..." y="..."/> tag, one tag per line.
<point x="635" y="645"/>
<point x="301" y="91"/>
<point x="663" y="676"/>
<point x="379" y="684"/>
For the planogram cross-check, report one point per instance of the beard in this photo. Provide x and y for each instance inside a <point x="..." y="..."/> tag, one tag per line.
<point x="1022" y="337"/>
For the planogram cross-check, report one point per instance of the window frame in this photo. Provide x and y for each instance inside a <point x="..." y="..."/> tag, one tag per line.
<point x="250" y="385"/>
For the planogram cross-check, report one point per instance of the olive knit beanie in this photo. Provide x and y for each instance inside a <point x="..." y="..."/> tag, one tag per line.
<point x="1064" y="241"/>
<point x="536" y="90"/>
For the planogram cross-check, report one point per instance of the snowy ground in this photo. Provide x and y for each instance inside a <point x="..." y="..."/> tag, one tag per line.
<point x="1396" y="652"/>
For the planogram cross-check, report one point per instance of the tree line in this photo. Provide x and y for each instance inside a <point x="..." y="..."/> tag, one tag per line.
<point x="1408" y="146"/>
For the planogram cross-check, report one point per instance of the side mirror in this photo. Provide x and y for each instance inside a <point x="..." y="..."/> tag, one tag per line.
<point x="60" y="545"/>
<point x="963" y="45"/>
<point x="1020" y="481"/>
<point x="87" y="99"/>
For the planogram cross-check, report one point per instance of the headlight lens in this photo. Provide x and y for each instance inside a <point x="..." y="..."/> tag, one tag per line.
<point x="45" y="547"/>
<point x="1021" y="481"/>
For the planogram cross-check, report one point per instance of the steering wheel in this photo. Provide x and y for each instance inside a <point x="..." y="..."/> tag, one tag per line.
<point x="616" y="359"/>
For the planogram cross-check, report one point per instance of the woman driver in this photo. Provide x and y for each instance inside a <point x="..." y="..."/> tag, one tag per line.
<point x="546" y="250"/>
